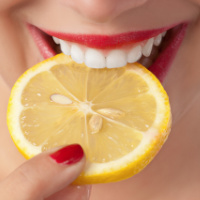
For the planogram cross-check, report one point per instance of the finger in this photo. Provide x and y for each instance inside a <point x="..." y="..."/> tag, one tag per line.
<point x="44" y="175"/>
<point x="73" y="192"/>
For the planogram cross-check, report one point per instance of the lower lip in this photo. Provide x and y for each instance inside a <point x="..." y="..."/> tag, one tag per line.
<point x="162" y="64"/>
<point x="159" y="68"/>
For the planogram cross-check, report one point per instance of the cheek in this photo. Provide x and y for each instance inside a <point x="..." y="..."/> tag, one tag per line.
<point x="196" y="2"/>
<point x="183" y="81"/>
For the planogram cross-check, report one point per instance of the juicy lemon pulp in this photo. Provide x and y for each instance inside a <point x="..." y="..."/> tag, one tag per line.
<point x="119" y="116"/>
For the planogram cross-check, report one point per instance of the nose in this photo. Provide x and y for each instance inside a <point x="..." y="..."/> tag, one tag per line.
<point x="102" y="10"/>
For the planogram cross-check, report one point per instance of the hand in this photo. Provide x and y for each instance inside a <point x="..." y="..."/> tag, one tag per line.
<point x="47" y="176"/>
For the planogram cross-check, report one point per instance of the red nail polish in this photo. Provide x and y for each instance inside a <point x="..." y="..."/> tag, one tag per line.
<point x="68" y="155"/>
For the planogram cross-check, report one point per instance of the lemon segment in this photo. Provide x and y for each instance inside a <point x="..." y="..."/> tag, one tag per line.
<point x="121" y="117"/>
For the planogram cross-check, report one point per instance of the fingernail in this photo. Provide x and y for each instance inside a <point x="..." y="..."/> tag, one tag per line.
<point x="68" y="155"/>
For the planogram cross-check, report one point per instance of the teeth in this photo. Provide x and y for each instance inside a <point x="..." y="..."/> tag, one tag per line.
<point x="146" y="51"/>
<point x="96" y="58"/>
<point x="56" y="40"/>
<point x="77" y="54"/>
<point x="135" y="54"/>
<point x="65" y="48"/>
<point x="116" y="58"/>
<point x="158" y="40"/>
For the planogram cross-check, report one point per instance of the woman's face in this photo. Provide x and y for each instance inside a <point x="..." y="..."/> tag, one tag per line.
<point x="133" y="21"/>
<point x="97" y="17"/>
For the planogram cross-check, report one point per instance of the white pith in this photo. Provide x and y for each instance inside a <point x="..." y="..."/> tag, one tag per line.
<point x="98" y="58"/>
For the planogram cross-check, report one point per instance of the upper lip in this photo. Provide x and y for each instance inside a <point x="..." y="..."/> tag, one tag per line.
<point x="107" y="41"/>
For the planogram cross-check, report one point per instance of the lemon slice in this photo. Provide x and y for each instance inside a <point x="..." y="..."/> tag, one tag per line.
<point x="121" y="116"/>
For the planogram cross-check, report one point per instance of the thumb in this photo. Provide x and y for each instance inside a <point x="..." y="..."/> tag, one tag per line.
<point x="44" y="175"/>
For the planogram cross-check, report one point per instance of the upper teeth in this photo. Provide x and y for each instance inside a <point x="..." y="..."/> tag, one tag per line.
<point x="96" y="58"/>
<point x="146" y="51"/>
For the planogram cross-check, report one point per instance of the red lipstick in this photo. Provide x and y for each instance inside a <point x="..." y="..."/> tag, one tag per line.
<point x="108" y="41"/>
<point x="162" y="64"/>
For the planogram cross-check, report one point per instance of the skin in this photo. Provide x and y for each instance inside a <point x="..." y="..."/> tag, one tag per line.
<point x="174" y="173"/>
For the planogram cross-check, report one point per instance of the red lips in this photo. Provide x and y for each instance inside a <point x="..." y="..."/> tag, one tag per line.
<point x="108" y="41"/>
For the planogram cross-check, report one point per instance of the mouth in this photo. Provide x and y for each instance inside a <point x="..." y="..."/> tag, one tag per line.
<point x="155" y="49"/>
